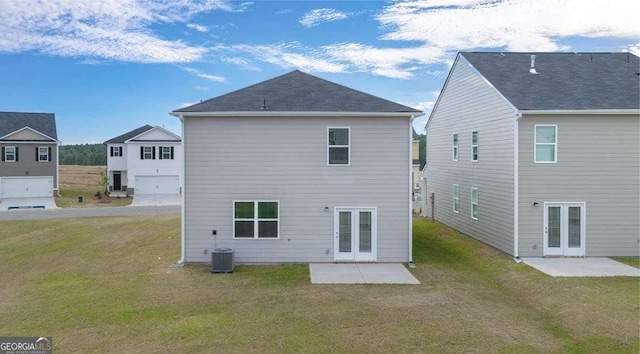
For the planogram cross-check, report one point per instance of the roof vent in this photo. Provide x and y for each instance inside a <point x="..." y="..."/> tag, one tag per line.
<point x="264" y="105"/>
<point x="533" y="65"/>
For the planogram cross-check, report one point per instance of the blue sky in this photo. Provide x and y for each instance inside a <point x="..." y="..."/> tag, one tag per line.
<point x="105" y="67"/>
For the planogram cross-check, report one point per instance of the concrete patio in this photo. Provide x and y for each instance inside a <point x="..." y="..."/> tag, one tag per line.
<point x="385" y="273"/>
<point x="581" y="267"/>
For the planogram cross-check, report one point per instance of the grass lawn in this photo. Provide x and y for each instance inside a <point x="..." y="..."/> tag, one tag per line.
<point x="84" y="181"/>
<point x="102" y="285"/>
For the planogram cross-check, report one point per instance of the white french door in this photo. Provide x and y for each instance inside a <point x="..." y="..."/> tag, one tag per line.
<point x="564" y="229"/>
<point x="355" y="234"/>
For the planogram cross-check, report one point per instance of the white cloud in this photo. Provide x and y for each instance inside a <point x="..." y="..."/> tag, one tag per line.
<point x="204" y="75"/>
<point x="634" y="48"/>
<point x="290" y="56"/>
<point x="197" y="27"/>
<point x="517" y="25"/>
<point x="187" y="104"/>
<point x="200" y="88"/>
<point x="317" y="16"/>
<point x="110" y="29"/>
<point x="242" y="63"/>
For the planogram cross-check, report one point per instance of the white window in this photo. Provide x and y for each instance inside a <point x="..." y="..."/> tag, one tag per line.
<point x="10" y="154"/>
<point x="456" y="198"/>
<point x="116" y="151"/>
<point x="455" y="147"/>
<point x="166" y="153"/>
<point x="338" y="146"/>
<point x="546" y="140"/>
<point x="474" y="203"/>
<point x="256" y="219"/>
<point x="147" y="153"/>
<point x="42" y="153"/>
<point x="474" y="146"/>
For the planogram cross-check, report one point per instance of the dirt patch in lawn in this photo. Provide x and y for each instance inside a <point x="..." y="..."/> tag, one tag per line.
<point x="84" y="181"/>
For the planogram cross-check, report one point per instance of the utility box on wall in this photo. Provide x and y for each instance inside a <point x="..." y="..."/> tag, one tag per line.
<point x="222" y="260"/>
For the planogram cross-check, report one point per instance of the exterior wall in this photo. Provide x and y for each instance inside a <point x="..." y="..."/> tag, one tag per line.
<point x="117" y="163"/>
<point x="598" y="162"/>
<point x="157" y="167"/>
<point x="27" y="164"/>
<point x="285" y="159"/>
<point x="468" y="103"/>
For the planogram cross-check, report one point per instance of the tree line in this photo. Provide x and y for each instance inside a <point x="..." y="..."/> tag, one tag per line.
<point x="83" y="154"/>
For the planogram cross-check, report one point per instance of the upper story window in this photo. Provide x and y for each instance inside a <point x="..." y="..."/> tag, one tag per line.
<point x="456" y="198"/>
<point x="338" y="146"/>
<point x="546" y="140"/>
<point x="455" y="147"/>
<point x="115" y="151"/>
<point x="9" y="153"/>
<point x="256" y="219"/>
<point x="147" y="153"/>
<point x="474" y="203"/>
<point x="43" y="153"/>
<point x="166" y="152"/>
<point x="474" y="146"/>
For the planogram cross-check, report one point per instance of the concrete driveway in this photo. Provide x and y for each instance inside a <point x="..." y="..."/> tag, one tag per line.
<point x="27" y="203"/>
<point x="156" y="199"/>
<point x="379" y="273"/>
<point x="581" y="267"/>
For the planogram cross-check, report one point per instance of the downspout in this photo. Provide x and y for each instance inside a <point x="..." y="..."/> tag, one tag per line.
<point x="182" y="194"/>
<point x="516" y="187"/>
<point x="410" y="263"/>
<point x="58" y="168"/>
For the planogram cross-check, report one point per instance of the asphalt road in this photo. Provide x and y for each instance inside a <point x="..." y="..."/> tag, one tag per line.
<point x="38" y="214"/>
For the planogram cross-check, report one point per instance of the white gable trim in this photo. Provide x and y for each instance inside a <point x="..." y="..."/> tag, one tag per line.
<point x="31" y="129"/>
<point x="295" y="114"/>
<point x="152" y="129"/>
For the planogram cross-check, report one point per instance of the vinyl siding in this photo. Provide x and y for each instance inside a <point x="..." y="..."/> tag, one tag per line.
<point x="598" y="162"/>
<point x="27" y="164"/>
<point x="468" y="103"/>
<point x="285" y="159"/>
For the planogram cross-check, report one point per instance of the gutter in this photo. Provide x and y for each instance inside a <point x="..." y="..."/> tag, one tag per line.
<point x="183" y="251"/>
<point x="581" y="111"/>
<point x="295" y="114"/>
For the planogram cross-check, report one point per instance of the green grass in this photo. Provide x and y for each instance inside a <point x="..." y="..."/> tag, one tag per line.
<point x="103" y="285"/>
<point x="632" y="261"/>
<point x="69" y="198"/>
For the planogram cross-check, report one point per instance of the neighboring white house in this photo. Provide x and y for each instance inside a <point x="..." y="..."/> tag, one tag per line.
<point x="538" y="154"/>
<point x="28" y="155"/>
<point x="146" y="160"/>
<point x="297" y="169"/>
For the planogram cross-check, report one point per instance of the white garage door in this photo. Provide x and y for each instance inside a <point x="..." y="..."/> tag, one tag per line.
<point x="26" y="187"/>
<point x="157" y="185"/>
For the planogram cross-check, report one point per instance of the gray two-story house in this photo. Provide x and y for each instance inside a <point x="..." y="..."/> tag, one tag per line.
<point x="538" y="154"/>
<point x="28" y="155"/>
<point x="297" y="169"/>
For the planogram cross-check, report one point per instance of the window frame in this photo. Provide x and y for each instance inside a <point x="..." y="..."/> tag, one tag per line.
<point x="348" y="146"/>
<point x="455" y="144"/>
<point x="536" y="143"/>
<point x="476" y="203"/>
<point x="45" y="154"/>
<point x="455" y="191"/>
<point x="165" y="155"/>
<point x="474" y="147"/>
<point x="117" y="151"/>
<point x="6" y="153"/>
<point x="256" y="220"/>
<point x="144" y="152"/>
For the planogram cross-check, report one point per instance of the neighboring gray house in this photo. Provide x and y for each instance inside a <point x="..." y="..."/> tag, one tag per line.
<point x="146" y="160"/>
<point x="297" y="169"/>
<point x="538" y="154"/>
<point x="28" y="155"/>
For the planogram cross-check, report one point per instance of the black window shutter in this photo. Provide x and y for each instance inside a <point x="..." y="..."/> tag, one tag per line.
<point x="172" y="152"/>
<point x="111" y="151"/>
<point x="49" y="153"/>
<point x="16" y="154"/>
<point x="160" y="153"/>
<point x="142" y="153"/>
<point x="37" y="154"/>
<point x="3" y="153"/>
<point x="153" y="152"/>
<point x="120" y="150"/>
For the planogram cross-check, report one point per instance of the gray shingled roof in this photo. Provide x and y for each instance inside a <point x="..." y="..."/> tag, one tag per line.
<point x="44" y="123"/>
<point x="126" y="136"/>
<point x="565" y="81"/>
<point x="297" y="92"/>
